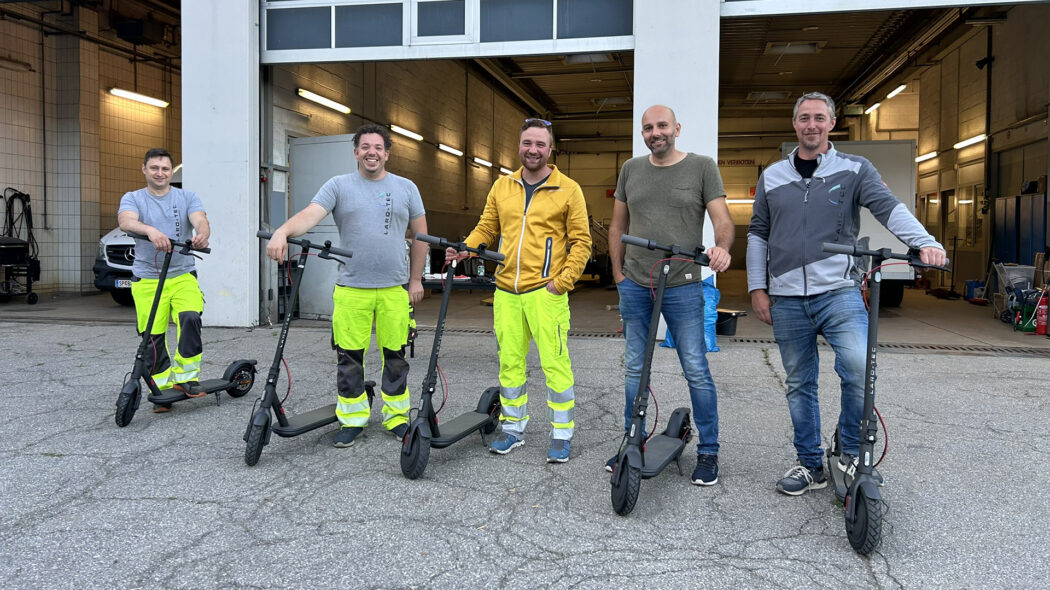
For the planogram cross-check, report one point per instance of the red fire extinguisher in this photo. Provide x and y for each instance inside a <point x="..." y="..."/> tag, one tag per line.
<point x="1040" y="315"/>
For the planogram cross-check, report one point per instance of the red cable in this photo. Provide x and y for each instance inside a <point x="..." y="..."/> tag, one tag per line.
<point x="444" y="390"/>
<point x="886" y="435"/>
<point x="656" y="413"/>
<point x="288" y="372"/>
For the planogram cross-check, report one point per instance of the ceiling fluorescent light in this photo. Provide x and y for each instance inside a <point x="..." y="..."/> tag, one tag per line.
<point x="588" y="58"/>
<point x="926" y="156"/>
<point x="969" y="142"/>
<point x="896" y="91"/>
<point x="484" y="163"/>
<point x="966" y="202"/>
<point x="504" y="170"/>
<point x="138" y="97"/>
<point x="335" y="106"/>
<point x="402" y="131"/>
<point x="872" y="108"/>
<point x="740" y="201"/>
<point x="449" y="149"/>
<point x="794" y="47"/>
<point x="15" y="65"/>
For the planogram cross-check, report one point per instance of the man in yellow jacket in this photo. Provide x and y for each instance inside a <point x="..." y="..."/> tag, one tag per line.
<point x="538" y="218"/>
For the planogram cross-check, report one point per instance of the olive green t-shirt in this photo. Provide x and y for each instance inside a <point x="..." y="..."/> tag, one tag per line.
<point x="666" y="204"/>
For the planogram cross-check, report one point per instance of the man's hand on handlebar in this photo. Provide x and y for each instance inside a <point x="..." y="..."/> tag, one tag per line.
<point x="453" y="254"/>
<point x="719" y="259"/>
<point x="277" y="247"/>
<point x="933" y="256"/>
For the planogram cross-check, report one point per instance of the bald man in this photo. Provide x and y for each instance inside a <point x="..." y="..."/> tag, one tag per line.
<point x="663" y="197"/>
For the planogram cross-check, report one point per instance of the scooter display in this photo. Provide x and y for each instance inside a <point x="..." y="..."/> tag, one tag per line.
<point x="236" y="381"/>
<point x="639" y="458"/>
<point x="424" y="432"/>
<point x="257" y="434"/>
<point x="860" y="495"/>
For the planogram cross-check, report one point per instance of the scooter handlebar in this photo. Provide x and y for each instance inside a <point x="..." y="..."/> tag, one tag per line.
<point x="912" y="257"/>
<point x="697" y="255"/>
<point x="174" y="243"/>
<point x="481" y="251"/>
<point x="327" y="246"/>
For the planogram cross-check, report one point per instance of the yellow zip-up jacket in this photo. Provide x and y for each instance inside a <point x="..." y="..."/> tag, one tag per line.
<point x="534" y="241"/>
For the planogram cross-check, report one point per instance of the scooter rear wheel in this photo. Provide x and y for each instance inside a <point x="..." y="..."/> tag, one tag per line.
<point x="415" y="453"/>
<point x="490" y="405"/>
<point x="253" y="448"/>
<point x="626" y="482"/>
<point x="126" y="403"/>
<point x="242" y="377"/>
<point x="866" y="530"/>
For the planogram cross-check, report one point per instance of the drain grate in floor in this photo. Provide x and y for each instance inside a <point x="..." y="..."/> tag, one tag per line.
<point x="933" y="348"/>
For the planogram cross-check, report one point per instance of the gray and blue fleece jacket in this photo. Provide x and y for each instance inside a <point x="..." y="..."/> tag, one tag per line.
<point x="793" y="216"/>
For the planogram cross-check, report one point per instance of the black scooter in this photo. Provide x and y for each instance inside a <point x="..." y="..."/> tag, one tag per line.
<point x="423" y="430"/>
<point x="861" y="498"/>
<point x="236" y="381"/>
<point x="639" y="459"/>
<point x="257" y="434"/>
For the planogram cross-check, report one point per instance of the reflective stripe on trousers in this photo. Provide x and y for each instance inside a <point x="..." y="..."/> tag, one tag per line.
<point x="355" y="310"/>
<point x="542" y="317"/>
<point x="181" y="300"/>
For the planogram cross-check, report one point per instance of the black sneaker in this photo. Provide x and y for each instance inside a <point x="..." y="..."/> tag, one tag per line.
<point x="800" y="479"/>
<point x="399" y="431"/>
<point x="706" y="472"/>
<point x="847" y="464"/>
<point x="611" y="463"/>
<point x="346" y="436"/>
<point x="190" y="389"/>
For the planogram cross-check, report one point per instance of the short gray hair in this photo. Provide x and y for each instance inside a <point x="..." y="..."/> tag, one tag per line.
<point x="815" y="96"/>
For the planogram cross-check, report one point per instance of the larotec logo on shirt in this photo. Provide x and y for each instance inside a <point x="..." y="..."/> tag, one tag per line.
<point x="388" y="203"/>
<point x="178" y="220"/>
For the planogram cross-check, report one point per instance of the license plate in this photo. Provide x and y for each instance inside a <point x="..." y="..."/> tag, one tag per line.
<point x="123" y="283"/>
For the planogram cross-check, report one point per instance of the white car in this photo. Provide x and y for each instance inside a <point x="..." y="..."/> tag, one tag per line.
<point x="116" y="252"/>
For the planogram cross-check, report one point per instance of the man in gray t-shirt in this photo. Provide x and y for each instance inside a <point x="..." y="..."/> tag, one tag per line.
<point x="663" y="197"/>
<point x="373" y="209"/>
<point x="160" y="211"/>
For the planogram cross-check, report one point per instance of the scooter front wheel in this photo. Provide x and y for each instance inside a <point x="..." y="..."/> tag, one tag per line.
<point x="126" y="403"/>
<point x="415" y="454"/>
<point x="255" y="441"/>
<point x="626" y="482"/>
<point x="865" y="531"/>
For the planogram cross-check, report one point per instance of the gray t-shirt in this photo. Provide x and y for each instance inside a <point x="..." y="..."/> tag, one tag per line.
<point x="666" y="204"/>
<point x="372" y="217"/>
<point x="171" y="215"/>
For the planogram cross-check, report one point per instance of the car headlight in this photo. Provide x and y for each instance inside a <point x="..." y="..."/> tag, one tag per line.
<point x="101" y="249"/>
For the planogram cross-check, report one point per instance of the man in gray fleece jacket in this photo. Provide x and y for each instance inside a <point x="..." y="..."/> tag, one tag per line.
<point x="811" y="197"/>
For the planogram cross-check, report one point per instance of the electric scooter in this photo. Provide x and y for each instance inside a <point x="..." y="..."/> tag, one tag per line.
<point x="423" y="430"/>
<point x="236" y="381"/>
<point x="639" y="459"/>
<point x="861" y="497"/>
<point x="257" y="434"/>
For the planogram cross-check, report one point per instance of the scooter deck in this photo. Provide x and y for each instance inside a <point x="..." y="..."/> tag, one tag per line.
<point x="659" y="452"/>
<point x="303" y="423"/>
<point x="206" y="386"/>
<point x="458" y="428"/>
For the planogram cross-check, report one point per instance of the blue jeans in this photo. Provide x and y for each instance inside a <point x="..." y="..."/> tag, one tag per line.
<point x="841" y="318"/>
<point x="683" y="309"/>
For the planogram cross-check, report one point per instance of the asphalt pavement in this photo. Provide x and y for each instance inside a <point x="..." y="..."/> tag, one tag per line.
<point x="168" y="502"/>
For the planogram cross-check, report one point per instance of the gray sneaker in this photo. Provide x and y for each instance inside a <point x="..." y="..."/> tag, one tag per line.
<point x="799" y="479"/>
<point x="347" y="436"/>
<point x="847" y="464"/>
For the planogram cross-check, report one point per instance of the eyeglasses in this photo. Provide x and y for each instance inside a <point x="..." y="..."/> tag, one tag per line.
<point x="545" y="122"/>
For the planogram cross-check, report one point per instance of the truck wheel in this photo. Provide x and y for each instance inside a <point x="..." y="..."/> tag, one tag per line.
<point x="891" y="294"/>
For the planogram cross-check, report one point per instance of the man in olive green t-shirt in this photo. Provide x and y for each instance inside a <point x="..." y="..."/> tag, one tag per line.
<point x="663" y="197"/>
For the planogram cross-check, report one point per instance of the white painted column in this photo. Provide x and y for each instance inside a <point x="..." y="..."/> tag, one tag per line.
<point x="676" y="64"/>
<point x="220" y="150"/>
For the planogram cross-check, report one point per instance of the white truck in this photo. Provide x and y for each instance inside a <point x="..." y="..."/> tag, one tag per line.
<point x="895" y="161"/>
